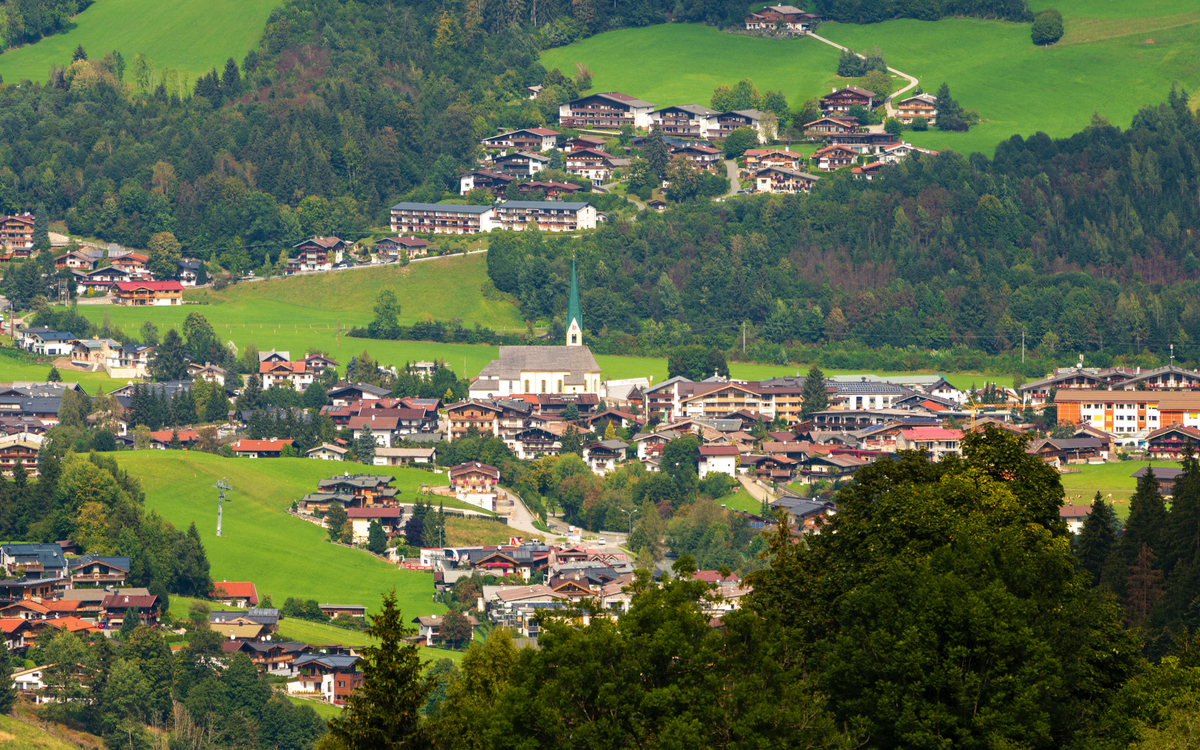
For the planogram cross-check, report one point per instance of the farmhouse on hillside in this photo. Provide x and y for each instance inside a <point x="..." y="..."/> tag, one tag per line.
<point x="140" y="293"/>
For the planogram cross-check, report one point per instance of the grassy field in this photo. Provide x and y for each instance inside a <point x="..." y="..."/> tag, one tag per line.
<point x="741" y="500"/>
<point x="1114" y="58"/>
<point x="16" y="735"/>
<point x="282" y="555"/>
<point x="682" y="63"/>
<point x="326" y="711"/>
<point x="1115" y="479"/>
<point x="180" y="34"/>
<point x="469" y="532"/>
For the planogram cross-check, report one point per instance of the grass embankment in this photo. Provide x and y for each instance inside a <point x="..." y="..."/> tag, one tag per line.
<point x="192" y="36"/>
<point x="1114" y="58"/>
<point x="16" y="734"/>
<point x="470" y="532"/>
<point x="282" y="555"/>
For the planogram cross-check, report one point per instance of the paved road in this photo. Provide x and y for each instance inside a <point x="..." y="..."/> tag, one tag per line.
<point x="912" y="81"/>
<point x="521" y="519"/>
<point x="731" y="171"/>
<point x="757" y="491"/>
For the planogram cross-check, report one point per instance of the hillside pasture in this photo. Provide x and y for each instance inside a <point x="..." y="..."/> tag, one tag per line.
<point x="284" y="556"/>
<point x="191" y="36"/>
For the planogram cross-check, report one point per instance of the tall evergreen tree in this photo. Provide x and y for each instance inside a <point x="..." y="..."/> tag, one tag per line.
<point x="365" y="445"/>
<point x="656" y="152"/>
<point x="8" y="693"/>
<point x="231" y="80"/>
<point x="170" y="358"/>
<point x="251" y="396"/>
<point x="1146" y="525"/>
<point x="816" y="398"/>
<point x="41" y="226"/>
<point x="376" y="539"/>
<point x="1097" y="538"/>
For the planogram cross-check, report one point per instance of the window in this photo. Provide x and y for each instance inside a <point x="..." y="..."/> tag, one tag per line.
<point x="527" y="386"/>
<point x="560" y="390"/>
<point x="543" y="387"/>
<point x="574" y="338"/>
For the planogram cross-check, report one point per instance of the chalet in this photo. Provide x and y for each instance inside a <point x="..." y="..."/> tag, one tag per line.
<point x="606" y="111"/>
<point x="867" y="172"/>
<point x="102" y="278"/>
<point x="719" y="459"/>
<point x="261" y="448"/>
<point x="16" y="631"/>
<point x="361" y="518"/>
<point x="207" y="371"/>
<point x="187" y="271"/>
<point x="533" y="91"/>
<point x="705" y="157"/>
<point x="727" y="122"/>
<point x="604" y="455"/>
<point x="485" y="179"/>
<point x="1166" y="476"/>
<point x="277" y="658"/>
<point x="117" y="607"/>
<point x="481" y="415"/>
<point x="1169" y="378"/>
<point x="476" y="483"/>
<point x="785" y="18"/>
<point x="391" y="247"/>
<point x="333" y="677"/>
<point x="552" y="191"/>
<point x="527" y="139"/>
<point x="387" y="426"/>
<point x="295" y="375"/>
<point x="595" y="165"/>
<point x="404" y="456"/>
<point x="327" y="452"/>
<point x="429" y="626"/>
<point x="316" y="254"/>
<point x="1169" y="442"/>
<point x="657" y="204"/>
<point x="834" y="157"/>
<point x="547" y="216"/>
<point x="921" y="105"/>
<point x="841" y="100"/>
<point x="934" y="442"/>
<point x="684" y="120"/>
<point x="438" y="218"/>
<point x="240" y="594"/>
<point x="520" y="164"/>
<point x="583" y="141"/>
<point x="830" y="466"/>
<point x="160" y="440"/>
<point x="1066" y="450"/>
<point x="338" y="610"/>
<point x="16" y="236"/>
<point x="830" y="128"/>
<point x="895" y="153"/>
<point x="783" y="180"/>
<point x="99" y="571"/>
<point x="76" y="260"/>
<point x="129" y="361"/>
<point x="133" y="263"/>
<point x="48" y="342"/>
<point x="143" y="293"/>
<point x="363" y="490"/>
<point x="535" y="442"/>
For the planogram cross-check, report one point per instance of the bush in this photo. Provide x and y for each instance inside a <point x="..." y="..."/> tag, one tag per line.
<point x="1047" y="27"/>
<point x="920" y="124"/>
<point x="893" y="126"/>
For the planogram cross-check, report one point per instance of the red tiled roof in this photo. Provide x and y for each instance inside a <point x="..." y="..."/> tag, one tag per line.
<point x="235" y="590"/>
<point x="9" y="625"/>
<point x="931" y="433"/>
<point x="373" y="513"/>
<point x="154" y="286"/>
<point x="71" y="624"/>
<point x="128" y="602"/>
<point x="719" y="450"/>
<point x="164" y="436"/>
<point x="261" y="445"/>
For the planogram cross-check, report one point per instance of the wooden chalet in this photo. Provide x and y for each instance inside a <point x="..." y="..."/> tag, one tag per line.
<point x="16" y="236"/>
<point x="481" y="415"/>
<point x="781" y="18"/>
<point x="1169" y="442"/>
<point x="98" y="571"/>
<point x="391" y="247"/>
<point x="520" y="164"/>
<point x="552" y="191"/>
<point x="146" y="293"/>
<point x="841" y="100"/>
<point x="783" y="180"/>
<point x="75" y="260"/>
<point x="830" y="128"/>
<point x="834" y="157"/>
<point x="526" y="139"/>
<point x="705" y="157"/>
<point x="727" y="122"/>
<point x="684" y="120"/>
<point x="485" y="179"/>
<point x="605" y="111"/>
<point x="261" y="448"/>
<point x="365" y="490"/>
<point x="316" y="254"/>
<point x="921" y="105"/>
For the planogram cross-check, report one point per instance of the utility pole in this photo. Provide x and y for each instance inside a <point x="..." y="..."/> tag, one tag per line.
<point x="221" y="486"/>
<point x="743" y="337"/>
<point x="1022" y="346"/>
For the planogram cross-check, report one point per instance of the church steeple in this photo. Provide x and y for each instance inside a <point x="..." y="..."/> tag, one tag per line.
<point x="574" y="314"/>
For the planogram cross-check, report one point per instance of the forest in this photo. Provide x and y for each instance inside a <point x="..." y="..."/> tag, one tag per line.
<point x="26" y="21"/>
<point x="1056" y="248"/>
<point x="874" y="11"/>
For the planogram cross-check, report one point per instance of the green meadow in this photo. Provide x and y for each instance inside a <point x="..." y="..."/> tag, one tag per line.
<point x="1112" y="480"/>
<point x="1114" y="58"/>
<point x="282" y="555"/>
<point x="191" y="36"/>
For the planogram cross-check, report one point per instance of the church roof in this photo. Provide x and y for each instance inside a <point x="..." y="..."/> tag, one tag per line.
<point x="517" y="359"/>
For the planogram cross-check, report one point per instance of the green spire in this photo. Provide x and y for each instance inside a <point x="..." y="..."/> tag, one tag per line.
<point x="573" y="311"/>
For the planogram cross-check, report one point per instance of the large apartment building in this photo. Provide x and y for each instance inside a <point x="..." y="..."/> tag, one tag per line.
<point x="1119" y="411"/>
<point x="609" y="110"/>
<point x="550" y="216"/>
<point x="16" y="234"/>
<point x="439" y="218"/>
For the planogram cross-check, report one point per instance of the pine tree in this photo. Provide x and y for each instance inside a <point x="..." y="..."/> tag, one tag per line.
<point x="364" y="446"/>
<point x="80" y="54"/>
<point x="8" y="693"/>
<point x="335" y="518"/>
<point x="376" y="539"/>
<point x="41" y="227"/>
<point x="251" y="396"/>
<point x="175" y="440"/>
<point x="53" y="377"/>
<point x="1097" y="538"/>
<point x="1146" y="524"/>
<point x="129" y="623"/>
<point x="816" y="398"/>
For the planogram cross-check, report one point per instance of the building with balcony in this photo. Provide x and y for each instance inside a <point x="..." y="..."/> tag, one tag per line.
<point x="16" y="235"/>
<point x="684" y="120"/>
<point x="549" y="216"/>
<point x="475" y="483"/>
<point x="606" y="111"/>
<point x="147" y="293"/>
<point x="439" y="218"/>
<point x="783" y="180"/>
<point x="526" y="139"/>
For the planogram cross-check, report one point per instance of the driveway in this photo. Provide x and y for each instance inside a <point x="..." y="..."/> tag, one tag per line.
<point x="887" y="103"/>
<point x="756" y="490"/>
<point x="731" y="171"/>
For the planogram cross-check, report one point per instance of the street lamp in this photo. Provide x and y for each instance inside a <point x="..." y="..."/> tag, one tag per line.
<point x="631" y="514"/>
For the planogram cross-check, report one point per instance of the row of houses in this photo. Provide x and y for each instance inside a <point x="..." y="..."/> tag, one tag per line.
<point x="441" y="218"/>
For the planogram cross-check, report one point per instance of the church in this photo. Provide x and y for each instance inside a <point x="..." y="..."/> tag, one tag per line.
<point x="568" y="369"/>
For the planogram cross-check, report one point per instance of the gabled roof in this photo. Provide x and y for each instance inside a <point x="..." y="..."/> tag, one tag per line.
<point x="328" y="243"/>
<point x="120" y="563"/>
<point x="261" y="445"/>
<point x="617" y="96"/>
<point x="853" y="89"/>
<point x="235" y="590"/>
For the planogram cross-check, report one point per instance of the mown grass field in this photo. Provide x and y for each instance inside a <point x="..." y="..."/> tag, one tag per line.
<point x="282" y="555"/>
<point x="1114" y="58"/>
<point x="192" y="36"/>
<point x="1115" y="479"/>
<point x="325" y="710"/>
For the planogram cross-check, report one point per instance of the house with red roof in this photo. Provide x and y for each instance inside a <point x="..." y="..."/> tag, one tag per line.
<point x="260" y="448"/>
<point x="297" y="374"/>
<point x="720" y="459"/>
<point x="934" y="442"/>
<point x="114" y="609"/>
<point x="390" y="520"/>
<point x="240" y="594"/>
<point x="160" y="440"/>
<point x="316" y="254"/>
<point x="146" y="293"/>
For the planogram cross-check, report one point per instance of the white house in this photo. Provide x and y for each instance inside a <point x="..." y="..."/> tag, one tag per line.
<point x="720" y="459"/>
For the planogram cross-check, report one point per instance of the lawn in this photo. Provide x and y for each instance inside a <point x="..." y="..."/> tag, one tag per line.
<point x="741" y="500"/>
<point x="192" y="36"/>
<point x="1114" y="58"/>
<point x="282" y="555"/>
<point x="471" y="532"/>
<point x="326" y="711"/>
<point x="13" y="369"/>
<point x="1110" y="479"/>
<point x="682" y="63"/>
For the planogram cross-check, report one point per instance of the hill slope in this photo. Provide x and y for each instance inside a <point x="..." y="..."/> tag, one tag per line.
<point x="192" y="36"/>
<point x="282" y="555"/>
<point x="15" y="734"/>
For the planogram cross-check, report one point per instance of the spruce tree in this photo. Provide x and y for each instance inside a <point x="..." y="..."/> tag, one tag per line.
<point x="1097" y="538"/>
<point x="816" y="398"/>
<point x="53" y="377"/>
<point x="41" y="227"/>
<point x="1147" y="520"/>
<point x="175" y="440"/>
<point x="376" y="539"/>
<point x="251" y="396"/>
<point x="8" y="693"/>
<point x="1182" y="538"/>
<point x="364" y="446"/>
